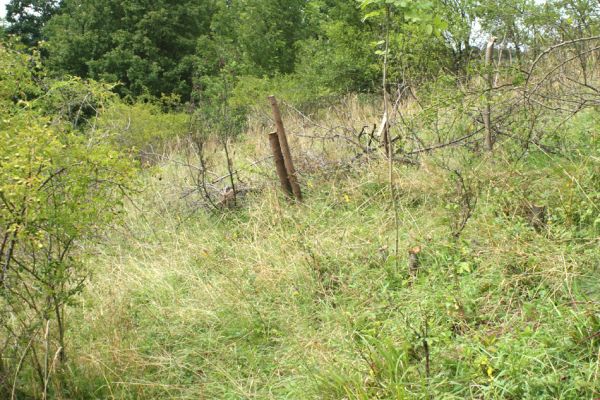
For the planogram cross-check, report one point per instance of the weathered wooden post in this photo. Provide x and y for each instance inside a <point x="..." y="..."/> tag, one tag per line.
<point x="285" y="150"/>
<point x="279" y="163"/>
<point x="487" y="115"/>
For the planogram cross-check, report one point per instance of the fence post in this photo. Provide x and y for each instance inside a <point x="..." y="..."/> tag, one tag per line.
<point x="285" y="150"/>
<point x="279" y="164"/>
<point x="487" y="115"/>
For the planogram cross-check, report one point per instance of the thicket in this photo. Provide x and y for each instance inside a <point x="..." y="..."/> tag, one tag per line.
<point x="472" y="149"/>
<point x="305" y="50"/>
<point x="61" y="182"/>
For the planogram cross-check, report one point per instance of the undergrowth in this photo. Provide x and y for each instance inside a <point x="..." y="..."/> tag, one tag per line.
<point x="276" y="300"/>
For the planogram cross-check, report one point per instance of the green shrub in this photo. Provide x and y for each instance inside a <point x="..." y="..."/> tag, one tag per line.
<point x="142" y="127"/>
<point x="58" y="188"/>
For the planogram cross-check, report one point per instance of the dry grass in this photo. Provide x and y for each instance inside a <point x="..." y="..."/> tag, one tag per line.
<point x="275" y="300"/>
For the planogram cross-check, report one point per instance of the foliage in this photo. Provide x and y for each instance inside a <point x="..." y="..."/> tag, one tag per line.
<point x="328" y="47"/>
<point x="491" y="292"/>
<point x="264" y="33"/>
<point x="76" y="101"/>
<point x="148" y="48"/>
<point x="142" y="127"/>
<point x="216" y="114"/>
<point x="57" y="189"/>
<point x="341" y="61"/>
<point x="27" y="18"/>
<point x="304" y="303"/>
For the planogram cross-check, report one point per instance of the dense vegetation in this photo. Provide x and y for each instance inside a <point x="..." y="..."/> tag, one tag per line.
<point x="447" y="245"/>
<point x="321" y="46"/>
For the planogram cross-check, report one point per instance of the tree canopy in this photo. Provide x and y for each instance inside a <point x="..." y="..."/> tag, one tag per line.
<point x="169" y="47"/>
<point x="27" y="18"/>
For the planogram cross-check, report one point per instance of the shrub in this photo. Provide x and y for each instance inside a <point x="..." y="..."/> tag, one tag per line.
<point x="58" y="188"/>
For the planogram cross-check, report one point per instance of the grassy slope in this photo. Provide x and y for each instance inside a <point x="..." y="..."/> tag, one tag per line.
<point x="275" y="300"/>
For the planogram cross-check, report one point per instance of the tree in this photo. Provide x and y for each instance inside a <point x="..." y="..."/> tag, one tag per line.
<point x="263" y="33"/>
<point x="414" y="48"/>
<point x="148" y="47"/>
<point x="338" y="55"/>
<point x="27" y="18"/>
<point x="581" y="17"/>
<point x="267" y="33"/>
<point x="460" y="16"/>
<point x="511" y="21"/>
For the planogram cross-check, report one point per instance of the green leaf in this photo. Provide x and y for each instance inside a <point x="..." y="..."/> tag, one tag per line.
<point x="367" y="3"/>
<point x="372" y="14"/>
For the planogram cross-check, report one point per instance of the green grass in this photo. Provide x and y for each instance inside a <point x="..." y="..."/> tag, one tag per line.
<point x="296" y="301"/>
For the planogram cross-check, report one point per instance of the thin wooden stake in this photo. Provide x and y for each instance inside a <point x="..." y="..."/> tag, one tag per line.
<point x="285" y="149"/>
<point x="487" y="115"/>
<point x="280" y="164"/>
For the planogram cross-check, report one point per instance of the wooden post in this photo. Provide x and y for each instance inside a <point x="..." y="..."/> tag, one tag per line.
<point x="487" y="115"/>
<point x="279" y="164"/>
<point x="285" y="150"/>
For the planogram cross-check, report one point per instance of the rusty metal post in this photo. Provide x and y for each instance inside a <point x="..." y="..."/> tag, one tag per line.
<point x="285" y="150"/>
<point x="279" y="163"/>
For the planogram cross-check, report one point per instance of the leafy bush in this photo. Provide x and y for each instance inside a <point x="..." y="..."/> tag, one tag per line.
<point x="142" y="127"/>
<point x="58" y="188"/>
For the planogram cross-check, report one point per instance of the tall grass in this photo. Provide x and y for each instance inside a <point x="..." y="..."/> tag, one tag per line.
<point x="276" y="300"/>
